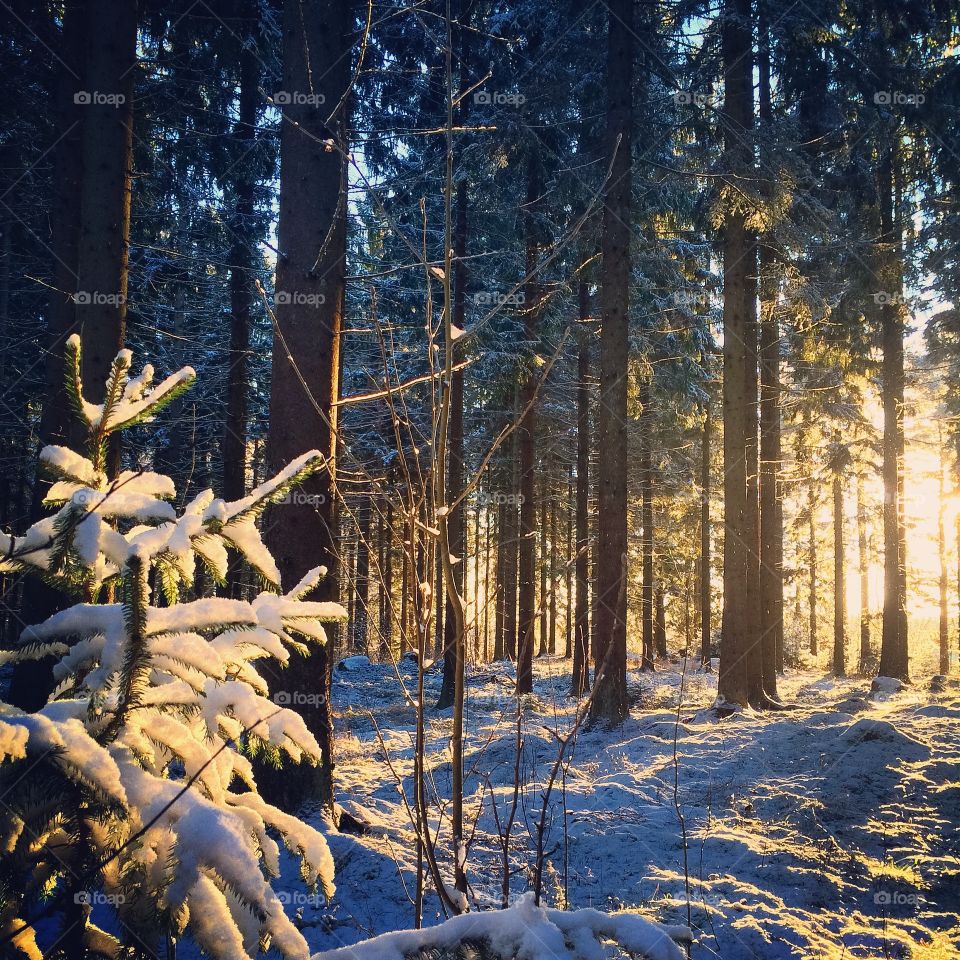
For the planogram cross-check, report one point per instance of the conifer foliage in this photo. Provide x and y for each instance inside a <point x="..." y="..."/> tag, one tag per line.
<point x="141" y="798"/>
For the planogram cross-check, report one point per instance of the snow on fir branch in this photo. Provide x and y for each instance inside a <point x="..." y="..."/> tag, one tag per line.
<point x="135" y="778"/>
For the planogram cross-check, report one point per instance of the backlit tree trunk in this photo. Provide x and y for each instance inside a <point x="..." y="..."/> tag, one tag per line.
<point x="610" y="689"/>
<point x="311" y="239"/>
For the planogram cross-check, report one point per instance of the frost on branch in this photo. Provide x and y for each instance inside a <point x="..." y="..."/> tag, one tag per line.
<point x="134" y="781"/>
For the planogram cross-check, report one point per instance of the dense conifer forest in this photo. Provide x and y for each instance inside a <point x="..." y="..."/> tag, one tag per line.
<point x="479" y="480"/>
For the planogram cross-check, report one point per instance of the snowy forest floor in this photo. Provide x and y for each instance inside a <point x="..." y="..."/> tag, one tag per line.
<point x="828" y="831"/>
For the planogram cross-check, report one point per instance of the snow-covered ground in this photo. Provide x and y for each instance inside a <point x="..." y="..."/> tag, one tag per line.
<point x="828" y="831"/>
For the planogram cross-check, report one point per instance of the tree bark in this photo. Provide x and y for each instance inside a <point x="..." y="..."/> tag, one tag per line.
<point x="944" y="625"/>
<point x="839" y="581"/>
<point x="646" y="521"/>
<point x="104" y="248"/>
<point x="740" y="682"/>
<point x="581" y="644"/>
<point x="894" y="653"/>
<point x="609" y="701"/>
<point x="866" y="653"/>
<point x="242" y="255"/>
<point x="317" y="41"/>
<point x="526" y="438"/>
<point x="706" y="599"/>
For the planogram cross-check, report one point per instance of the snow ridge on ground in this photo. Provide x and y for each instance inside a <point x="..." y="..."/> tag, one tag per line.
<point x="828" y="831"/>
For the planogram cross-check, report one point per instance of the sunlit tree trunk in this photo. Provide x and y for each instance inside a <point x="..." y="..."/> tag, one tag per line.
<point x="648" y="612"/>
<point x="866" y="653"/>
<point x="311" y="238"/>
<point x="944" y="631"/>
<point x="242" y="254"/>
<point x="839" y="580"/>
<point x="739" y="681"/>
<point x="894" y="655"/>
<point x="610" y="689"/>
<point x="581" y="643"/>
<point x="526" y="435"/>
<point x="706" y="600"/>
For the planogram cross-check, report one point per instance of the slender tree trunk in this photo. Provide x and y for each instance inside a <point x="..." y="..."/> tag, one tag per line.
<point x="311" y="239"/>
<point x="500" y="625"/>
<point x="944" y="632"/>
<point x="771" y="498"/>
<point x="581" y="644"/>
<point x="543" y="610"/>
<point x="32" y="681"/>
<point x="894" y="654"/>
<point x="610" y="690"/>
<point x="568" y="618"/>
<point x="242" y="255"/>
<point x="103" y="254"/>
<point x="646" y="520"/>
<point x="706" y="625"/>
<point x="660" y="634"/>
<point x="552" y="628"/>
<point x="739" y="673"/>
<point x="526" y="437"/>
<point x="512" y="530"/>
<point x="455" y="451"/>
<point x="812" y="564"/>
<point x="839" y="581"/>
<point x="866" y="653"/>
<point x="360" y="626"/>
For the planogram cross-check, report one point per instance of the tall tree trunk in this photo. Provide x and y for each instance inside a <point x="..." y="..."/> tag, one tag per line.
<point x="317" y="41"/>
<point x="242" y="256"/>
<point x="500" y="624"/>
<point x="360" y="626"/>
<point x="104" y="248"/>
<point x="526" y="437"/>
<point x="581" y="643"/>
<point x="554" y="557"/>
<point x="740" y="681"/>
<point x="944" y="632"/>
<point x="646" y="521"/>
<point x="610" y="689"/>
<point x="866" y="653"/>
<point x="771" y="498"/>
<point x="456" y="522"/>
<point x="812" y="596"/>
<point x="543" y="607"/>
<point x="660" y="633"/>
<point x="568" y="571"/>
<point x="894" y="654"/>
<point x="32" y="681"/>
<point x="511" y="533"/>
<point x="706" y="600"/>
<point x="839" y="580"/>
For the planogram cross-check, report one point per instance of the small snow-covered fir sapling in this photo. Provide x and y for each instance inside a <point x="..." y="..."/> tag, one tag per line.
<point x="132" y="788"/>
